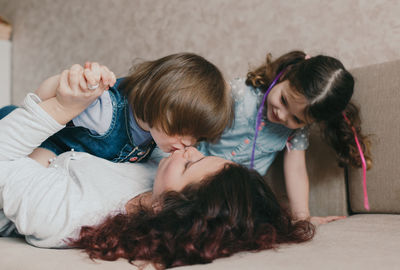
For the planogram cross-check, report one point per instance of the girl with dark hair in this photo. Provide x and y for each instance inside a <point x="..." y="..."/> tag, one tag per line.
<point x="274" y="106"/>
<point x="200" y="208"/>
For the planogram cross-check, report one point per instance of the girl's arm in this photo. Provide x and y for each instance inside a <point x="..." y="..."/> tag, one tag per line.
<point x="296" y="180"/>
<point x="297" y="187"/>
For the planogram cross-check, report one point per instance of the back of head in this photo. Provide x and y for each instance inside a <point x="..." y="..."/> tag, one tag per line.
<point x="182" y="94"/>
<point x="326" y="84"/>
<point x="229" y="212"/>
<point x="328" y="88"/>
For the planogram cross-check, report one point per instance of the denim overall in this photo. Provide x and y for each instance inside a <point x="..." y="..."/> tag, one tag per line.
<point x="115" y="145"/>
<point x="6" y="110"/>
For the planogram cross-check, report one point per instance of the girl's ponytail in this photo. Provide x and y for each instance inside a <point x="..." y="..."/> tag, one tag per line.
<point x="339" y="134"/>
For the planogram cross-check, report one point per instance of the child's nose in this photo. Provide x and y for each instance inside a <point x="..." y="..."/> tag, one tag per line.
<point x="188" y="141"/>
<point x="283" y="116"/>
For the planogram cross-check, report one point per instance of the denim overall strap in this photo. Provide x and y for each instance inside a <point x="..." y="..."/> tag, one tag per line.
<point x="115" y="145"/>
<point x="6" y="110"/>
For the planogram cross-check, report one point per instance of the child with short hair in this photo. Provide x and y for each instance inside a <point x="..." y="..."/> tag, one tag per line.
<point x="174" y="102"/>
<point x="273" y="107"/>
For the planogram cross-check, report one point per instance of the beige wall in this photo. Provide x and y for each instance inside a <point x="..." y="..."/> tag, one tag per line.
<point x="50" y="35"/>
<point x="5" y="72"/>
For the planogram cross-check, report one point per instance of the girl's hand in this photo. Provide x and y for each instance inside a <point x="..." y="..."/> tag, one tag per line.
<point x="95" y="72"/>
<point x="324" y="220"/>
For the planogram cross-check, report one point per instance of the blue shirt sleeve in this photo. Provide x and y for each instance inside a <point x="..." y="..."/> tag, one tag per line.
<point x="98" y="116"/>
<point x="299" y="139"/>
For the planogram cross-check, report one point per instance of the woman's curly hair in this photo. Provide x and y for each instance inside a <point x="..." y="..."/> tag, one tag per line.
<point x="229" y="212"/>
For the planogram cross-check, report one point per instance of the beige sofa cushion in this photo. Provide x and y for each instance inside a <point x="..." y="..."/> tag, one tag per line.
<point x="378" y="92"/>
<point x="367" y="242"/>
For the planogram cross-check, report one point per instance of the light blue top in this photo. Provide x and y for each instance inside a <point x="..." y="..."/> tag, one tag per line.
<point x="237" y="141"/>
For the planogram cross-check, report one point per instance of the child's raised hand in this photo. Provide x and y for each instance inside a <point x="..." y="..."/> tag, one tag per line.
<point x="98" y="73"/>
<point x="71" y="96"/>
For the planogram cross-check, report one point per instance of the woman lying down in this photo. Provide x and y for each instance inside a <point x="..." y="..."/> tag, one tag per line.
<point x="193" y="214"/>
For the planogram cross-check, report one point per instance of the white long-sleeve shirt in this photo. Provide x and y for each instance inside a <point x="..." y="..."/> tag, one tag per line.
<point x="49" y="205"/>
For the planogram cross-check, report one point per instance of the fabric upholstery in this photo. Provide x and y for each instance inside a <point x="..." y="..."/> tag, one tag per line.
<point x="327" y="183"/>
<point x="367" y="242"/>
<point x="50" y="35"/>
<point x="377" y="91"/>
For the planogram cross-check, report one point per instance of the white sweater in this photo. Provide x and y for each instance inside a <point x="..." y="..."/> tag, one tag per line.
<point x="49" y="205"/>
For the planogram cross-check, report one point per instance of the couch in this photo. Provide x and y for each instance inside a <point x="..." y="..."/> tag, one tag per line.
<point x="364" y="240"/>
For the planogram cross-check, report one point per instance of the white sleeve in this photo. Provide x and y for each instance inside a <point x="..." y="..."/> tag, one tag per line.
<point x="98" y="116"/>
<point x="24" y="129"/>
<point x="34" y="199"/>
<point x="26" y="187"/>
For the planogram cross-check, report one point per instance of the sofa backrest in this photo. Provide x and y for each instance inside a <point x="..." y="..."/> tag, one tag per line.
<point x="377" y="92"/>
<point x="327" y="183"/>
<point x="332" y="191"/>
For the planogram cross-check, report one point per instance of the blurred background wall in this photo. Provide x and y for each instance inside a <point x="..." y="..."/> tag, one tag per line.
<point x="50" y="35"/>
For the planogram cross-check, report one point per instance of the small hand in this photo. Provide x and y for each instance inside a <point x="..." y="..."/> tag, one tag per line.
<point x="95" y="72"/>
<point x="71" y="96"/>
<point x="324" y="220"/>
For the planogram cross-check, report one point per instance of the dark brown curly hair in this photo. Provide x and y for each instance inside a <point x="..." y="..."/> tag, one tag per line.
<point x="328" y="88"/>
<point x="229" y="212"/>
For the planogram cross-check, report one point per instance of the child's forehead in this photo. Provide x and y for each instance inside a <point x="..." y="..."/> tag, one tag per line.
<point x="297" y="102"/>
<point x="167" y="129"/>
<point x="291" y="92"/>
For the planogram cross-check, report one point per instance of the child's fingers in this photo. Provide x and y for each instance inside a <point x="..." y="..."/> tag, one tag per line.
<point x="113" y="79"/>
<point x="81" y="82"/>
<point x="76" y="67"/>
<point x="325" y="220"/>
<point x="96" y="71"/>
<point x="334" y="218"/>
<point x="90" y="79"/>
<point x="107" y="76"/>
